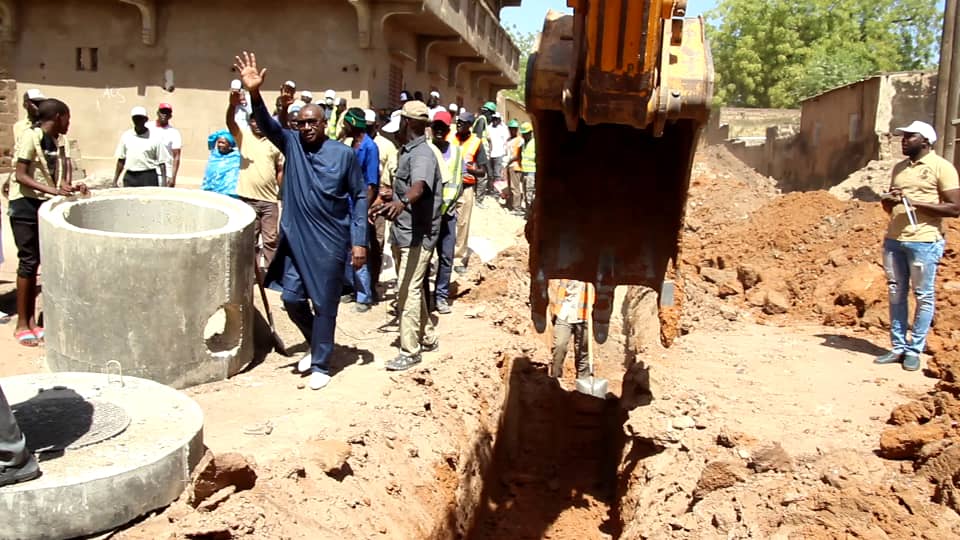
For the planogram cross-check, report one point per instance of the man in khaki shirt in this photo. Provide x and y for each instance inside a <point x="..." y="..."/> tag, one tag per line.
<point x="923" y="191"/>
<point x="261" y="173"/>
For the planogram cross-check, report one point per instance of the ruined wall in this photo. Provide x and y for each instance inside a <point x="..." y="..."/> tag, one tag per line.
<point x="745" y="122"/>
<point x="905" y="97"/>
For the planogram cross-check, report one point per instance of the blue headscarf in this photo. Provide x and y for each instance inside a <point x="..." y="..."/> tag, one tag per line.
<point x="223" y="170"/>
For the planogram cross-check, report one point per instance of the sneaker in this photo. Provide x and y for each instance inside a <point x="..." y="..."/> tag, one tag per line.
<point x="347" y="299"/>
<point x="892" y="357"/>
<point x="361" y="308"/>
<point x="305" y="364"/>
<point x="318" y="380"/>
<point x="443" y="307"/>
<point x="911" y="362"/>
<point x="23" y="473"/>
<point x="460" y="269"/>
<point x="403" y="362"/>
<point x="424" y="347"/>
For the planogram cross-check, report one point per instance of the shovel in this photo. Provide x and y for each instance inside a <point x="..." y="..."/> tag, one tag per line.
<point x="591" y="386"/>
<point x="277" y="341"/>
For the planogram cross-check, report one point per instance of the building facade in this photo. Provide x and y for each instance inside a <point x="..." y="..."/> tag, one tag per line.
<point x="104" y="57"/>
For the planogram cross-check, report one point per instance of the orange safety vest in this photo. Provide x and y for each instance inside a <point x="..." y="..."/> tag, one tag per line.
<point x="468" y="149"/>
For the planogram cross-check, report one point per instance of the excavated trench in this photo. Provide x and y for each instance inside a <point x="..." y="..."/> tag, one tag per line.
<point x="560" y="461"/>
<point x="554" y="467"/>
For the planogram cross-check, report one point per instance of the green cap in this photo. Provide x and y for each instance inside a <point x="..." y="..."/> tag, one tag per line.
<point x="356" y="118"/>
<point x="513" y="123"/>
<point x="490" y="106"/>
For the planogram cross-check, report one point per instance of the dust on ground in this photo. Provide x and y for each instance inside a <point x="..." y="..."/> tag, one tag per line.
<point x="766" y="419"/>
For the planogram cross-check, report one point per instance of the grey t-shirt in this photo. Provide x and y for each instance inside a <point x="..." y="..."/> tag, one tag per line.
<point x="419" y="223"/>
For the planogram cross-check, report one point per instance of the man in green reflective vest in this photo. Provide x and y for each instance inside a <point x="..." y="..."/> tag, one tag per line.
<point x="528" y="164"/>
<point x="450" y="159"/>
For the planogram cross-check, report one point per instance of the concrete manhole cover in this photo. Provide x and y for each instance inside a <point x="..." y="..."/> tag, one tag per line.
<point x="59" y="419"/>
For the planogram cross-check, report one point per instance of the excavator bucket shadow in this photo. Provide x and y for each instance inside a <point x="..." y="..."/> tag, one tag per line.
<point x="608" y="209"/>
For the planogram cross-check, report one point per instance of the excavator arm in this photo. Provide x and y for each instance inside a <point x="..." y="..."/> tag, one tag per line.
<point x="618" y="93"/>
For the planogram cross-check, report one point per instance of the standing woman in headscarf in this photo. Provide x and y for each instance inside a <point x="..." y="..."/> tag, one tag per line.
<point x="223" y="166"/>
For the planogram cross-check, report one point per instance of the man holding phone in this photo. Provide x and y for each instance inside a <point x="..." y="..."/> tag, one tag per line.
<point x="923" y="191"/>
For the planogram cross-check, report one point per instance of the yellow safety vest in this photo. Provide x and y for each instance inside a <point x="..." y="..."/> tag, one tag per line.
<point x="334" y="124"/>
<point x="452" y="173"/>
<point x="528" y="157"/>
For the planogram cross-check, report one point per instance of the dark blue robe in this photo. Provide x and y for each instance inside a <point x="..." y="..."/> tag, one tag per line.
<point x="317" y="228"/>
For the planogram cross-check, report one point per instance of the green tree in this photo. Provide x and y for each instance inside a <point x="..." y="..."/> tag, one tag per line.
<point x="525" y="41"/>
<point x="777" y="52"/>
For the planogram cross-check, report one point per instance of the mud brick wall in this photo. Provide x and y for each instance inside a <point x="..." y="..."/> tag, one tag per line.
<point x="8" y="117"/>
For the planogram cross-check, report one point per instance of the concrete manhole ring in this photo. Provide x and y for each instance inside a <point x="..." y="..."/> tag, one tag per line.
<point x="59" y="419"/>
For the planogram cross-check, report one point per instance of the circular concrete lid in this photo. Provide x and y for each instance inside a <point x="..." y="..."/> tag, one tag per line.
<point x="104" y="484"/>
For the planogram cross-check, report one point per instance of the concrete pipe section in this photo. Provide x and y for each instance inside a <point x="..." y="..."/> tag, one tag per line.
<point x="111" y="449"/>
<point x="158" y="280"/>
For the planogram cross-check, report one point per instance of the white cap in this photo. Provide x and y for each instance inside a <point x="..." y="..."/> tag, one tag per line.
<point x="306" y="94"/>
<point x="393" y="125"/>
<point x="291" y="84"/>
<point x="435" y="94"/>
<point x="497" y="115"/>
<point x="294" y="107"/>
<point x="138" y="111"/>
<point x="453" y="107"/>
<point x="370" y="116"/>
<point x="329" y="94"/>
<point x="34" y="94"/>
<point x="922" y="128"/>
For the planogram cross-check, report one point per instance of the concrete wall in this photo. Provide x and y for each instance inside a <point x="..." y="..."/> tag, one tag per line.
<point x="190" y="65"/>
<point x="9" y="104"/>
<point x="745" y="122"/>
<point x="841" y="130"/>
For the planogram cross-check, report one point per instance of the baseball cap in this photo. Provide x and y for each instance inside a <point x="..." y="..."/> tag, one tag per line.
<point x="490" y="106"/>
<point x="393" y="125"/>
<point x="526" y="127"/>
<point x="513" y="124"/>
<point x="329" y="94"/>
<point x="294" y="107"/>
<point x="306" y="94"/>
<point x="453" y="107"/>
<point x="404" y="96"/>
<point x="466" y="117"/>
<point x="415" y="110"/>
<point x="138" y="111"/>
<point x="35" y="94"/>
<point x="497" y="115"/>
<point x="435" y="94"/>
<point x="922" y="128"/>
<point x="291" y="84"/>
<point x="165" y="107"/>
<point x="370" y="116"/>
<point x="442" y="116"/>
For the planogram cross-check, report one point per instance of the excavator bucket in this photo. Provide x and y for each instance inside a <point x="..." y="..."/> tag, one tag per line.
<point x="618" y="93"/>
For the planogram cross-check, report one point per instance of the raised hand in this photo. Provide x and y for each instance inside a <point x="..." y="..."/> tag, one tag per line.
<point x="251" y="76"/>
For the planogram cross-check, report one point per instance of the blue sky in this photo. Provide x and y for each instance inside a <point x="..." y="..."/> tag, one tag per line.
<point x="529" y="16"/>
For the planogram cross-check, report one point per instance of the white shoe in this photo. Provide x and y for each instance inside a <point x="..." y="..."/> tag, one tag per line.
<point x="318" y="380"/>
<point x="305" y="364"/>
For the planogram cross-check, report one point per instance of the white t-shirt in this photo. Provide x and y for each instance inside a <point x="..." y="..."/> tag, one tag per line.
<point x="143" y="153"/>
<point x="498" y="137"/>
<point x="170" y="137"/>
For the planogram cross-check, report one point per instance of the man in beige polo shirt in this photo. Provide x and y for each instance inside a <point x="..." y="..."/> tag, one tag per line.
<point x="923" y="191"/>
<point x="261" y="173"/>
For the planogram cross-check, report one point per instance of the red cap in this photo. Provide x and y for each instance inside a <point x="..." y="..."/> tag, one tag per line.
<point x="442" y="116"/>
<point x="165" y="106"/>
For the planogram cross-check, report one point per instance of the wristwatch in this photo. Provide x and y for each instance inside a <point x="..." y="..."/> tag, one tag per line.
<point x="405" y="201"/>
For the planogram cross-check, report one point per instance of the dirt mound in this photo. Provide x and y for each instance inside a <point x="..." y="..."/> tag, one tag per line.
<point x="867" y="184"/>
